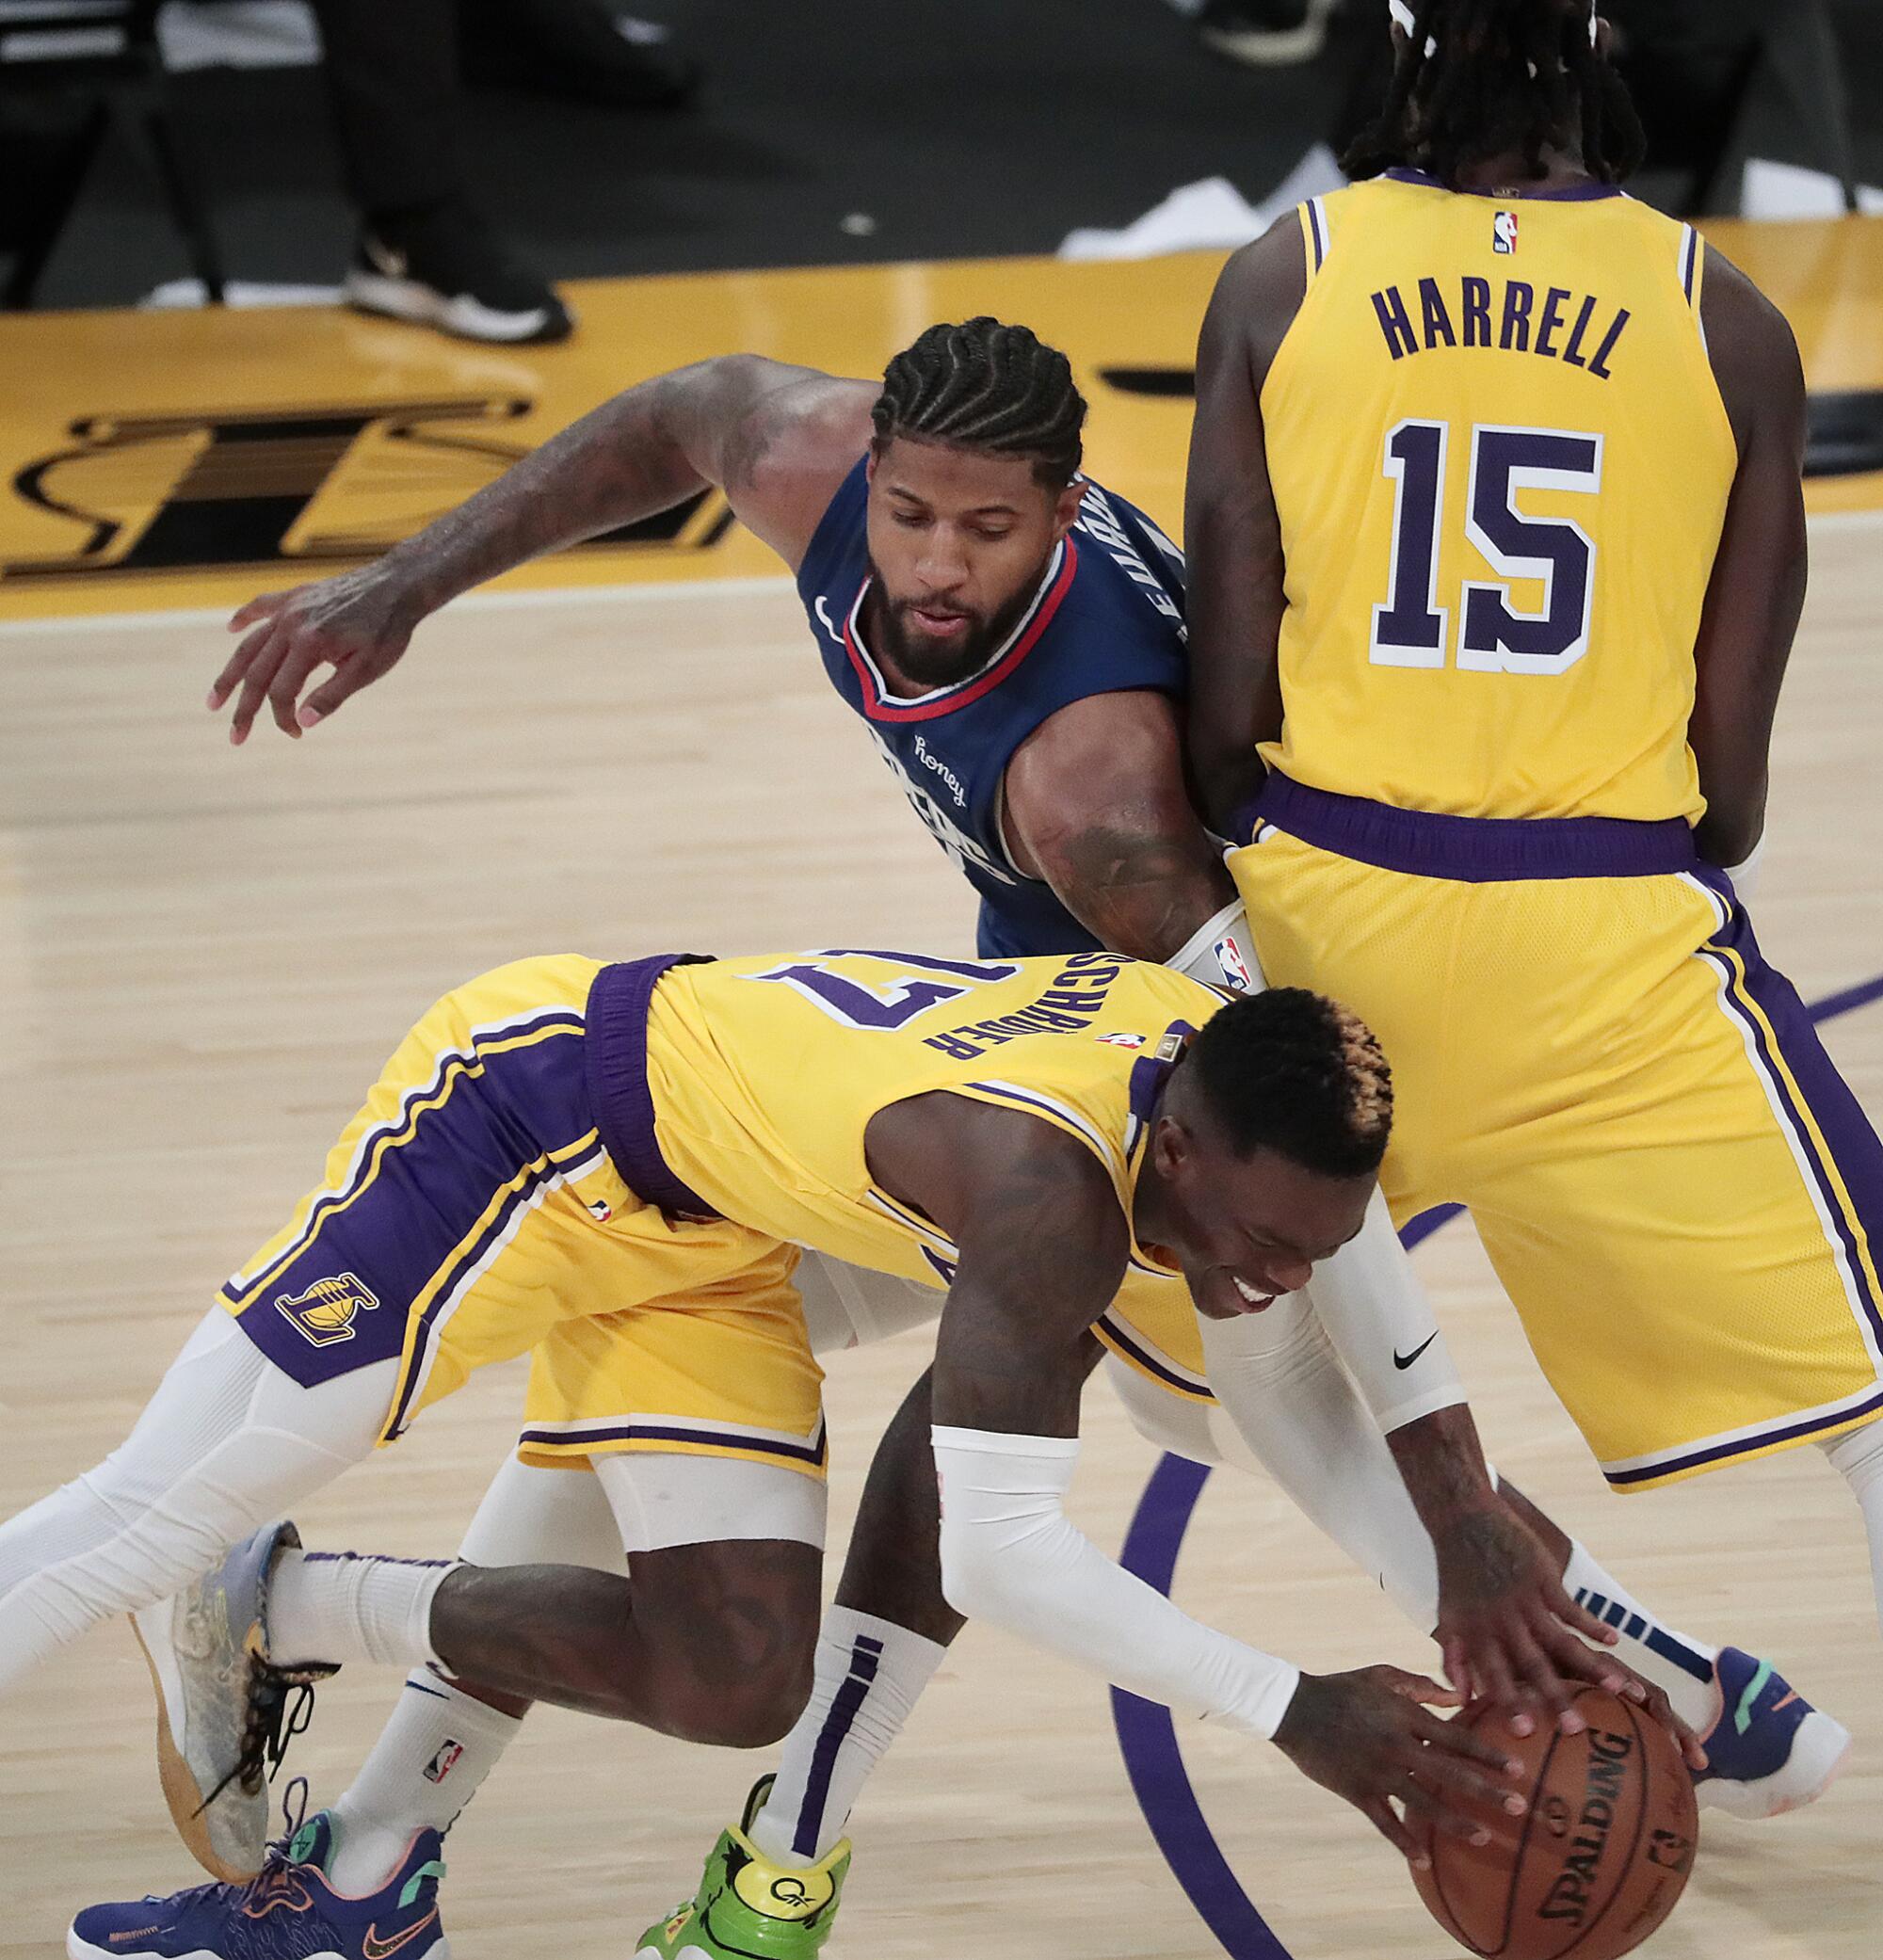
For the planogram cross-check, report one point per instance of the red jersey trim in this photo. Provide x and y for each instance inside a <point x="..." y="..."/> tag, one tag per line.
<point x="944" y="701"/>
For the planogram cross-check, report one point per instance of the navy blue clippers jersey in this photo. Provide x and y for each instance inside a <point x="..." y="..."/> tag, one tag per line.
<point x="1108" y="615"/>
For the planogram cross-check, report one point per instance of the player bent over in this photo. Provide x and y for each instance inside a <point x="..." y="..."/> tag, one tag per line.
<point x="618" y="1163"/>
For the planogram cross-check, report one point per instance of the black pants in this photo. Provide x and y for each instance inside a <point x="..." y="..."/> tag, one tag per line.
<point x="392" y="76"/>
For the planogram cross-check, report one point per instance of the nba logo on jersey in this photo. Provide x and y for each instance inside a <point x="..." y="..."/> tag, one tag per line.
<point x="1122" y="1041"/>
<point x="326" y="1311"/>
<point x="1503" y="233"/>
<point x="441" y="1765"/>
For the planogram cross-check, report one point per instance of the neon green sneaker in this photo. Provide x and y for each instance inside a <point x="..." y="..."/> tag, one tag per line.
<point x="746" y="1908"/>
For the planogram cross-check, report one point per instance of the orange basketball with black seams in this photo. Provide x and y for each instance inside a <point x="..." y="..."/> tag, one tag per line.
<point x="1599" y="1861"/>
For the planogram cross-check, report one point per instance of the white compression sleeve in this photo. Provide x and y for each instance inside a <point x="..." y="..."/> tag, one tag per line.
<point x="1221" y="953"/>
<point x="1009" y="1554"/>
<point x="1381" y="1324"/>
<point x="1744" y="875"/>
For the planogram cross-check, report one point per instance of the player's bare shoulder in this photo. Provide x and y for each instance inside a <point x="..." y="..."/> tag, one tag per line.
<point x="795" y="434"/>
<point x="1260" y="291"/>
<point x="1753" y="351"/>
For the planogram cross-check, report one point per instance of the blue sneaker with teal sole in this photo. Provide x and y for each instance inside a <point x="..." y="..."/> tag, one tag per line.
<point x="289" y="1912"/>
<point x="1770" y="1751"/>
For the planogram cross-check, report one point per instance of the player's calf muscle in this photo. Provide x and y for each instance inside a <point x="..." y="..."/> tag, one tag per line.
<point x="687" y="1648"/>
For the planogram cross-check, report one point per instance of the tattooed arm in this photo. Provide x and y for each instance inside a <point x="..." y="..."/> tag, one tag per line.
<point x="1097" y="806"/>
<point x="778" y="440"/>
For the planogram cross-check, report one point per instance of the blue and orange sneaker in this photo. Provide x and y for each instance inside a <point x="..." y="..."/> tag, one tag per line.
<point x="1770" y="1750"/>
<point x="289" y="1912"/>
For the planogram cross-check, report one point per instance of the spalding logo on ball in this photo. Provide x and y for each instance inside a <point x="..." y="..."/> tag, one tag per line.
<point x="1599" y="1860"/>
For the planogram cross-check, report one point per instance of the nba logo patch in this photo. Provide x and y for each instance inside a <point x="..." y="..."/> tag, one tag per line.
<point x="1236" y="969"/>
<point x="1122" y="1041"/>
<point x="1503" y="233"/>
<point x="441" y="1765"/>
<point x="326" y="1311"/>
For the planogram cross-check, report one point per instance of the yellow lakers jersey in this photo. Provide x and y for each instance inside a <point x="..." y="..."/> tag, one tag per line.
<point x="1502" y="465"/>
<point x="764" y="1073"/>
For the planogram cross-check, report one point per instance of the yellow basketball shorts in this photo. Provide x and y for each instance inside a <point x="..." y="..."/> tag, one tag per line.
<point x="469" y="1214"/>
<point x="1680" y="1194"/>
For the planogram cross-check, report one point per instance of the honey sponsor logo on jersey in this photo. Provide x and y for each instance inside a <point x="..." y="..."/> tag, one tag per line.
<point x="325" y="1313"/>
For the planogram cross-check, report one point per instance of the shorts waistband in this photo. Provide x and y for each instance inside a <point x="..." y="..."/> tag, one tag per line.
<point x="616" y="1052"/>
<point x="1469" y="850"/>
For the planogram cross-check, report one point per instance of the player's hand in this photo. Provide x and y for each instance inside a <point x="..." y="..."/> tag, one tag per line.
<point x="358" y="623"/>
<point x="1370" y="1737"/>
<point x="1507" y="1630"/>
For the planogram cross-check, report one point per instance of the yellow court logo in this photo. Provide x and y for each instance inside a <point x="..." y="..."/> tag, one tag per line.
<point x="326" y="1311"/>
<point x="253" y="489"/>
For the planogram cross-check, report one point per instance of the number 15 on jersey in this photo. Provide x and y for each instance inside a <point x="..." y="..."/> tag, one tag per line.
<point x="1411" y="628"/>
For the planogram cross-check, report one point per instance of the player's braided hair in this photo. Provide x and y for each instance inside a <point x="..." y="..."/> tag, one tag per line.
<point x="1502" y="76"/>
<point x="986" y="385"/>
<point x="1298" y="1074"/>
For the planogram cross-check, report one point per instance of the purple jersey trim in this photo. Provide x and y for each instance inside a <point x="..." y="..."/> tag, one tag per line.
<point x="1469" y="850"/>
<point x="1504" y="194"/>
<point x="618" y="1084"/>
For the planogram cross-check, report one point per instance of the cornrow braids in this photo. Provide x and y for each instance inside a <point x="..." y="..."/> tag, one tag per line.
<point x="1477" y="79"/>
<point x="986" y="385"/>
<point x="1294" y="1072"/>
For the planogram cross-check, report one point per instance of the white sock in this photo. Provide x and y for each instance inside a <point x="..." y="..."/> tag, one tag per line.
<point x="334" y="1606"/>
<point x="436" y="1748"/>
<point x="869" y="1674"/>
<point x="1859" y="1457"/>
<point x="1673" y="1661"/>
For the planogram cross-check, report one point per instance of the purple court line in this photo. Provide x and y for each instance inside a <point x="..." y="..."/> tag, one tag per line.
<point x="1153" y="1759"/>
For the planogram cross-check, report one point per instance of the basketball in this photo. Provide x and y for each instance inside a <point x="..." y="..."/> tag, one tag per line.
<point x="1599" y="1861"/>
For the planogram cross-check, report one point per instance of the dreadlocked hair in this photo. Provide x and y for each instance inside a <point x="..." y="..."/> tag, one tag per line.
<point x="1503" y="75"/>
<point x="1296" y="1073"/>
<point x="985" y="385"/>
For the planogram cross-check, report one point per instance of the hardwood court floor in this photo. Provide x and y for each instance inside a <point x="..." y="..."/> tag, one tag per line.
<point x="204" y="955"/>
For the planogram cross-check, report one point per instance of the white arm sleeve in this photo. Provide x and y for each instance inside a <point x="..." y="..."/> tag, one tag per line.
<point x="1009" y="1554"/>
<point x="1381" y="1324"/>
<point x="1222" y="953"/>
<point x="1744" y="876"/>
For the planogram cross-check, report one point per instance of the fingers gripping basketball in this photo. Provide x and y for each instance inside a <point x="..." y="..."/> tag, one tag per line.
<point x="1599" y="1860"/>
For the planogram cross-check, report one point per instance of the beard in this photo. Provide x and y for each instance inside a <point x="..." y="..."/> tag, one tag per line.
<point x="929" y="663"/>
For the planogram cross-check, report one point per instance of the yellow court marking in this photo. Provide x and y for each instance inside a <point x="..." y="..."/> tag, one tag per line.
<point x="180" y="460"/>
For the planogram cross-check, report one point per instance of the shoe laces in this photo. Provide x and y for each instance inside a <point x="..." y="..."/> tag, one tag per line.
<point x="277" y="1861"/>
<point x="280" y="1707"/>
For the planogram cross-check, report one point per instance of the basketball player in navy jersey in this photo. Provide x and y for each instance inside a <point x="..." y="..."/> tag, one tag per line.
<point x="1012" y="637"/>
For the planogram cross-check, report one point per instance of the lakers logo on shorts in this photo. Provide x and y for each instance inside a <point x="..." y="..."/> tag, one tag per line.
<point x="325" y="1313"/>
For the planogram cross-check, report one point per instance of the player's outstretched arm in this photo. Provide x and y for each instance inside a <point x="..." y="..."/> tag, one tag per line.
<point x="779" y="440"/>
<point x="1043" y="1245"/>
<point x="1758" y="588"/>
<point x="1232" y="530"/>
